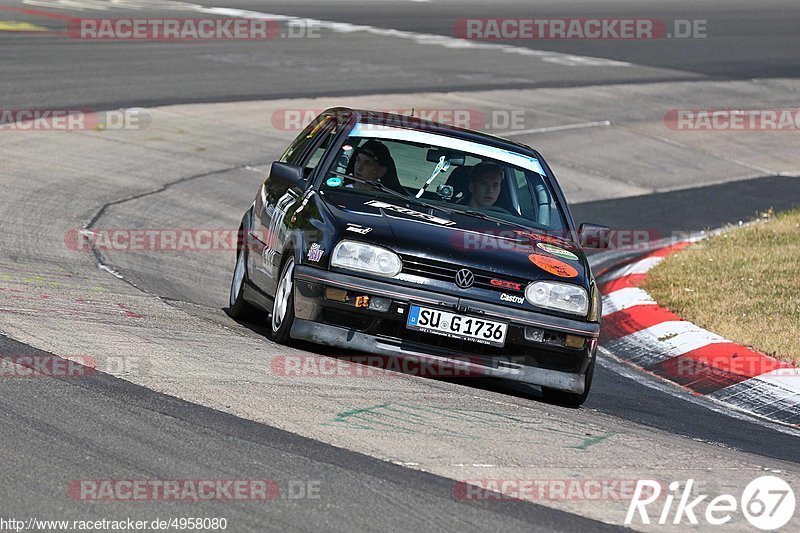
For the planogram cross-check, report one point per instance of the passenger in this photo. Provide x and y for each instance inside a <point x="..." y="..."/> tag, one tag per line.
<point x="485" y="181"/>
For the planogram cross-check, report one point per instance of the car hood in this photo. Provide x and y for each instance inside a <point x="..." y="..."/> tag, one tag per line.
<point x="416" y="232"/>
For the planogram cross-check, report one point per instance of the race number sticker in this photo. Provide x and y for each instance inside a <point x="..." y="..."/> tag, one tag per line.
<point x="556" y="251"/>
<point x="554" y="266"/>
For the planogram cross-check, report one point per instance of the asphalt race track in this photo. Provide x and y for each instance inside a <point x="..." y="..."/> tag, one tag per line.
<point x="745" y="40"/>
<point x="186" y="393"/>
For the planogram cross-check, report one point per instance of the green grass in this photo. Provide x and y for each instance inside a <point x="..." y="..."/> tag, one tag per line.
<point x="743" y="284"/>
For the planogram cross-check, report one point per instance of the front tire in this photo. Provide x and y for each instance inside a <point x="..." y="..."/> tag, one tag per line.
<point x="283" y="306"/>
<point x="571" y="399"/>
<point x="238" y="307"/>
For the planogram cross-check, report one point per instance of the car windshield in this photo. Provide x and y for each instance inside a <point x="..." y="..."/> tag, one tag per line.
<point x="446" y="173"/>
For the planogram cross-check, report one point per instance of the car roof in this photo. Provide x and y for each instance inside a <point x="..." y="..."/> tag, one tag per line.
<point x="404" y="121"/>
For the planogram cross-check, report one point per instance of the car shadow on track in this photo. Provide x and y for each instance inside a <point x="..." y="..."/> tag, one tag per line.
<point x="508" y="388"/>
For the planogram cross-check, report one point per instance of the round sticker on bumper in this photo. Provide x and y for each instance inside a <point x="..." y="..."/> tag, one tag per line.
<point x="555" y="250"/>
<point x="554" y="266"/>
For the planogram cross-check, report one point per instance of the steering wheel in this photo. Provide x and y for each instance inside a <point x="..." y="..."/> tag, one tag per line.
<point x="498" y="209"/>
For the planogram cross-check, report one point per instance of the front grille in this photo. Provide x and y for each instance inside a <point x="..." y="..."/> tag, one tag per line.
<point x="441" y="271"/>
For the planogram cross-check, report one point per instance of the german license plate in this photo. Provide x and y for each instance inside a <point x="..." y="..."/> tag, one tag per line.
<point x="457" y="326"/>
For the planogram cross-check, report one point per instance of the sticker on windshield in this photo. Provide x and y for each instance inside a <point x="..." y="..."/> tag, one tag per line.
<point x="555" y="250"/>
<point x="537" y="167"/>
<point x="552" y="265"/>
<point x="442" y="141"/>
<point x="410" y="212"/>
<point x="334" y="181"/>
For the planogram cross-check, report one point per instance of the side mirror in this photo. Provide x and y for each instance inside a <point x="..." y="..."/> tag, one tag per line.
<point x="594" y="236"/>
<point x="285" y="175"/>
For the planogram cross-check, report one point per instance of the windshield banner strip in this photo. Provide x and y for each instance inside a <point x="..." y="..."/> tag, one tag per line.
<point x="401" y="134"/>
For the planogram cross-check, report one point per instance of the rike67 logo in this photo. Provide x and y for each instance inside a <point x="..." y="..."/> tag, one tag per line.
<point x="767" y="503"/>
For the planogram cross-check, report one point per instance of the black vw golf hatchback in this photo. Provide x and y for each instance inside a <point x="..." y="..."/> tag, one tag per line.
<point x="397" y="236"/>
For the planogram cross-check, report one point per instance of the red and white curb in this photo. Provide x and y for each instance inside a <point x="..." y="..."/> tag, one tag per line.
<point x="637" y="330"/>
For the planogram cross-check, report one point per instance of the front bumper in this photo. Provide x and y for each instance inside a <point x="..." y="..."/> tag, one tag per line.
<point x="534" y="352"/>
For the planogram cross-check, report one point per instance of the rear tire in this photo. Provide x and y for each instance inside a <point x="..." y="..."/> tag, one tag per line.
<point x="238" y="307"/>
<point x="571" y="399"/>
<point x="283" y="305"/>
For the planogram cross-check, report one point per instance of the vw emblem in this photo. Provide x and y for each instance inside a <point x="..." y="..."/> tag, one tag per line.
<point x="464" y="278"/>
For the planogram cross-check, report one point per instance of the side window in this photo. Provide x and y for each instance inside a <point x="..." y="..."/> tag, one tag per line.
<point x="319" y="151"/>
<point x="295" y="152"/>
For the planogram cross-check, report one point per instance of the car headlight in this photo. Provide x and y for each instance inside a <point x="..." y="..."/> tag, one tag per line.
<point x="364" y="257"/>
<point x="558" y="296"/>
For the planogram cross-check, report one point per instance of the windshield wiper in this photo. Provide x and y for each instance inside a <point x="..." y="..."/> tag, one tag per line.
<point x="447" y="209"/>
<point x="484" y="216"/>
<point x="383" y="188"/>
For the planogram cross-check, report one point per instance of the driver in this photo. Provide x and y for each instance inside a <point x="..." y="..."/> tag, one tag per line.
<point x="485" y="180"/>
<point x="372" y="161"/>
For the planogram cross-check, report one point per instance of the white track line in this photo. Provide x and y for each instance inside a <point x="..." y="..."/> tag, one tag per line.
<point x="624" y="298"/>
<point x="631" y="371"/>
<point x="663" y="341"/>
<point x="555" y="128"/>
<point x="569" y="60"/>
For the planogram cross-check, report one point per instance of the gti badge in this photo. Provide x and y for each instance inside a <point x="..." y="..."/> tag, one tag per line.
<point x="506" y="284"/>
